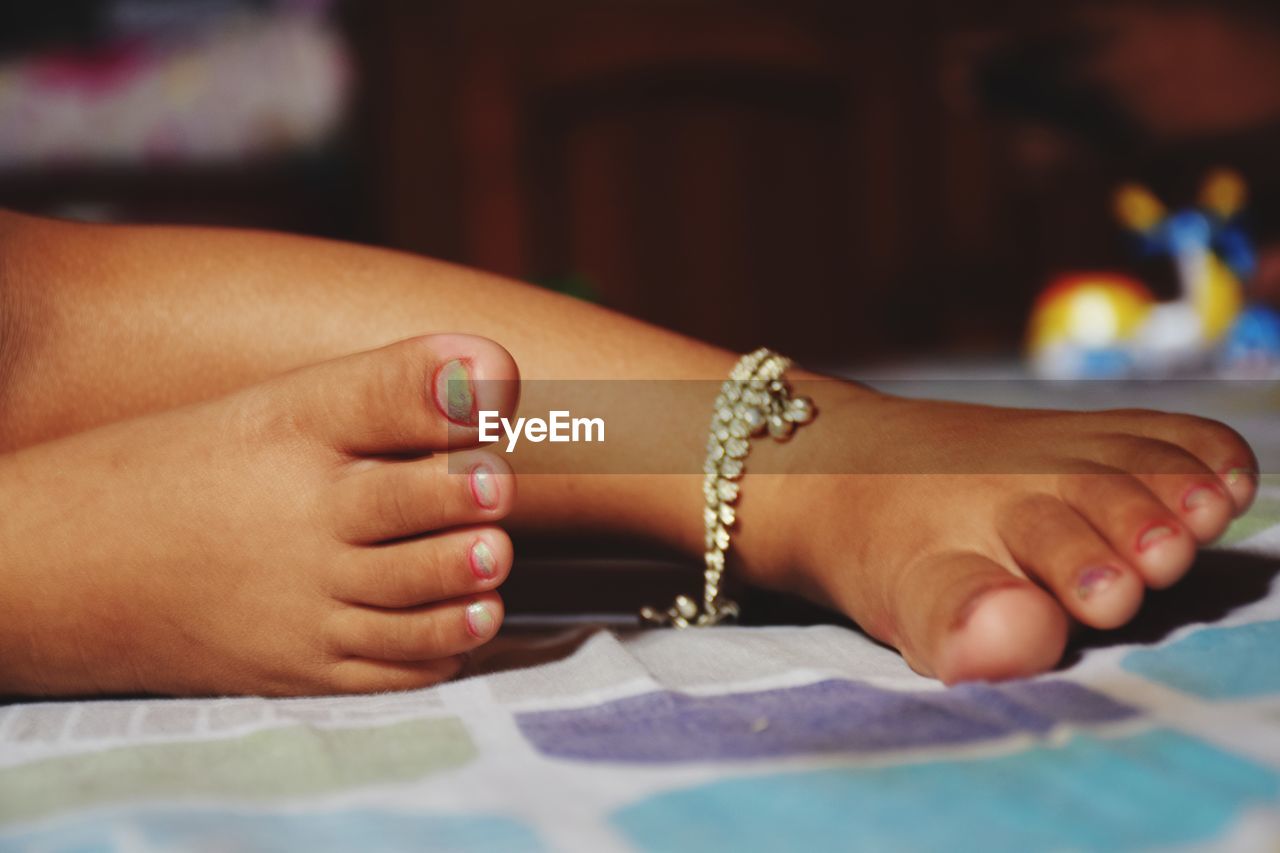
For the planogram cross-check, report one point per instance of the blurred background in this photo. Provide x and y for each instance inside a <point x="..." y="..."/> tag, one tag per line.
<point x="840" y="180"/>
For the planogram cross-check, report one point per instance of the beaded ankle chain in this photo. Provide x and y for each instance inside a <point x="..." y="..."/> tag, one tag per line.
<point x="755" y="399"/>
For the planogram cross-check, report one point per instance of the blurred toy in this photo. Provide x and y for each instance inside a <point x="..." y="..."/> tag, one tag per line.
<point x="1253" y="347"/>
<point x="1107" y="325"/>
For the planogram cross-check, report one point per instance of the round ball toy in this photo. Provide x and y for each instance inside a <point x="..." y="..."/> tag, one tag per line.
<point x="1108" y="325"/>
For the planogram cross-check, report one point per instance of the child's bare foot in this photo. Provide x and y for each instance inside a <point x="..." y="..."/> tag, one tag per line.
<point x="295" y="537"/>
<point x="979" y="534"/>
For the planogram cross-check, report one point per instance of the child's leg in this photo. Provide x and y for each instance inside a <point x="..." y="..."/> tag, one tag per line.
<point x="127" y="320"/>
<point x="287" y="538"/>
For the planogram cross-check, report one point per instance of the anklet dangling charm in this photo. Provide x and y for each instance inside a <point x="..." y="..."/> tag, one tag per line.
<point x="755" y="399"/>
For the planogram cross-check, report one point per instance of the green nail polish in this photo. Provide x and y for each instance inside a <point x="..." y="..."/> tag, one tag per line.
<point x="1235" y="475"/>
<point x="454" y="394"/>
<point x="479" y="620"/>
<point x="484" y="487"/>
<point x="482" y="561"/>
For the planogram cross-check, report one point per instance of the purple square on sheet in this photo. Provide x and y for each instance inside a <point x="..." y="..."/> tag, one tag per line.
<point x="836" y="716"/>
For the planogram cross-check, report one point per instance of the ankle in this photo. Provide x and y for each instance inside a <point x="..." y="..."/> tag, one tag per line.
<point x="790" y="486"/>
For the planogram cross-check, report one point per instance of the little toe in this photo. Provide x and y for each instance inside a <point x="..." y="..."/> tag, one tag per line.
<point x="382" y="501"/>
<point x="1179" y="478"/>
<point x="1136" y="523"/>
<point x="1055" y="545"/>
<point x="1220" y="448"/>
<point x="420" y="394"/>
<point x="419" y="571"/>
<point x="424" y="633"/>
<point x="964" y="617"/>
<point x="1241" y="481"/>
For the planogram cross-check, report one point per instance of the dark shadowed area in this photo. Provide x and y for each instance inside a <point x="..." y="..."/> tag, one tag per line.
<point x="845" y="181"/>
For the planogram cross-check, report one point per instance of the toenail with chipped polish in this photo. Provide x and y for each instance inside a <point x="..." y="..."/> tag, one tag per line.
<point x="482" y="561"/>
<point x="1238" y="476"/>
<point x="1095" y="580"/>
<point x="1199" y="496"/>
<point x="1154" y="535"/>
<point x="484" y="486"/>
<point x="454" y="394"/>
<point x="479" y="619"/>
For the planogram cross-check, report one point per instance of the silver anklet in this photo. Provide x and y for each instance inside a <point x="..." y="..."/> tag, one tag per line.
<point x="755" y="399"/>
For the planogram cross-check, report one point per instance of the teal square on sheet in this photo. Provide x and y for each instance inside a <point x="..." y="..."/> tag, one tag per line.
<point x="1156" y="789"/>
<point x="1240" y="662"/>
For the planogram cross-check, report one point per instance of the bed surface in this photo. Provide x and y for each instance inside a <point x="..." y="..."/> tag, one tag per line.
<point x="1164" y="735"/>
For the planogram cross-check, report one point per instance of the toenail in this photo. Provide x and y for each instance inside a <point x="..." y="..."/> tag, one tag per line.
<point x="482" y="561"/>
<point x="1199" y="496"/>
<point x="1155" y="534"/>
<point x="967" y="610"/>
<point x="479" y="619"/>
<point x="484" y="487"/>
<point x="1095" y="580"/>
<point x="1236" y="476"/>
<point x="454" y="395"/>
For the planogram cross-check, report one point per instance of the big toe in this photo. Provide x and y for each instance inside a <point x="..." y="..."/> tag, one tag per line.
<point x="1011" y="632"/>
<point x="965" y="617"/>
<point x="417" y="395"/>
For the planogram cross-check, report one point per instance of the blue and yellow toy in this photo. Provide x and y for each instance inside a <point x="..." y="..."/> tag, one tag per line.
<point x="1107" y="325"/>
